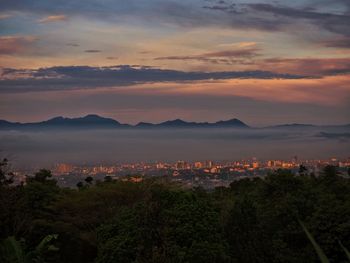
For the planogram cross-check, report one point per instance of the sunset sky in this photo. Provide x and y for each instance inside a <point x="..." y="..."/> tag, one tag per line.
<point x="264" y="62"/>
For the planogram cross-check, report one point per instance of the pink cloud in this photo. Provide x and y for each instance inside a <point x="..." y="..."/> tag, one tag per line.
<point x="15" y="44"/>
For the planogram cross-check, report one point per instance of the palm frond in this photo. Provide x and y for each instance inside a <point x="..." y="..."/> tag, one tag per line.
<point x="321" y="255"/>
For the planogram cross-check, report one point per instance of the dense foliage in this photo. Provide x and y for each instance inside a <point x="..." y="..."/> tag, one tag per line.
<point x="254" y="220"/>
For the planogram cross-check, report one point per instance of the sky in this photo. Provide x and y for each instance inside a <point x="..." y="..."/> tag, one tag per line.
<point x="264" y="62"/>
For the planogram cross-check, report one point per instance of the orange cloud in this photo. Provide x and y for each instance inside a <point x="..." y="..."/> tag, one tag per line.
<point x="307" y="66"/>
<point x="330" y="91"/>
<point x="54" y="18"/>
<point x="239" y="45"/>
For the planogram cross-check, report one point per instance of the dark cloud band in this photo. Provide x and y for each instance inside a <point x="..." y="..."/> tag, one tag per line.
<point x="79" y="77"/>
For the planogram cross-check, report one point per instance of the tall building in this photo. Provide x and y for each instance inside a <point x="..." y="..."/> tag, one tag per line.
<point x="180" y="165"/>
<point x="208" y="164"/>
<point x="295" y="159"/>
<point x="270" y="163"/>
<point x="198" y="165"/>
<point x="64" y="168"/>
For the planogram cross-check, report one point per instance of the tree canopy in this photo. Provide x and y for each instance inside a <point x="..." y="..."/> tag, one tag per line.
<point x="253" y="220"/>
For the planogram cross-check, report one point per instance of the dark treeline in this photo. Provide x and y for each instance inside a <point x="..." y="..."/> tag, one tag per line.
<point x="112" y="221"/>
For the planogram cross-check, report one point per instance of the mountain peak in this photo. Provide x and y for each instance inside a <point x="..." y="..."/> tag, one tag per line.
<point x="232" y="122"/>
<point x="93" y="116"/>
<point x="144" y="124"/>
<point x="176" y="122"/>
<point x="88" y="120"/>
<point x="58" y="119"/>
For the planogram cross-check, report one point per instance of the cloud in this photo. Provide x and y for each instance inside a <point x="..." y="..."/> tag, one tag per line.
<point x="174" y="11"/>
<point x="199" y="13"/>
<point x="220" y="57"/>
<point x="247" y="44"/>
<point x="112" y="58"/>
<point x="338" y="23"/>
<point x="246" y="53"/>
<point x="15" y="44"/>
<point x="309" y="66"/>
<point x="5" y="16"/>
<point x="312" y="67"/>
<point x="92" y="51"/>
<point x="72" y="45"/>
<point x="343" y="42"/>
<point x="85" y="77"/>
<point x="276" y="17"/>
<point x="53" y="18"/>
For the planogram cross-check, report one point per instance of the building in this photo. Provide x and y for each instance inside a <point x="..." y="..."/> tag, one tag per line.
<point x="198" y="165"/>
<point x="208" y="164"/>
<point x="64" y="168"/>
<point x="180" y="165"/>
<point x="256" y="165"/>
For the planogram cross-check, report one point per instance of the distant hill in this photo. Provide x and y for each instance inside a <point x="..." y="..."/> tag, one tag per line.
<point x="178" y="123"/>
<point x="300" y="126"/>
<point x="95" y="121"/>
<point x="89" y="121"/>
<point x="293" y="126"/>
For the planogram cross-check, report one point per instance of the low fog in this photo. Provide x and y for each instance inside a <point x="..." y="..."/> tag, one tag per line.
<point x="43" y="149"/>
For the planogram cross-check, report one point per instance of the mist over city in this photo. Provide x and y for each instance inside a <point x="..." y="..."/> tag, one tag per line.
<point x="38" y="148"/>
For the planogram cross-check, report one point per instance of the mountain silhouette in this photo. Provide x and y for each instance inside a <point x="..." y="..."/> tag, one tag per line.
<point x="95" y="121"/>
<point x="89" y="121"/>
<point x="178" y="123"/>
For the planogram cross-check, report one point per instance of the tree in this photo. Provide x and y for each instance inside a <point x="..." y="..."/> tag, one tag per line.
<point x="89" y="180"/>
<point x="247" y="239"/>
<point x="6" y="177"/>
<point x="14" y="251"/>
<point x="303" y="170"/>
<point x="108" y="179"/>
<point x="42" y="175"/>
<point x="171" y="226"/>
<point x="80" y="185"/>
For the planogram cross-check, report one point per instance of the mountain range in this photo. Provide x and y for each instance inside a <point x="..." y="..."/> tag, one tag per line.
<point x="95" y="121"/>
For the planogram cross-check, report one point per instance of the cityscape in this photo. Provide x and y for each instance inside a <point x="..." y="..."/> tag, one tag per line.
<point x="206" y="174"/>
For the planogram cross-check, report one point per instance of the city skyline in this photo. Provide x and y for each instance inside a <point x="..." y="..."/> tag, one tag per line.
<point x="265" y="62"/>
<point x="204" y="173"/>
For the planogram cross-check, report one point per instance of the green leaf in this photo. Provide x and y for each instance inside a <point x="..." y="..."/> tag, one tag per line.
<point x="45" y="242"/>
<point x="345" y="250"/>
<point x="321" y="255"/>
<point x="13" y="251"/>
